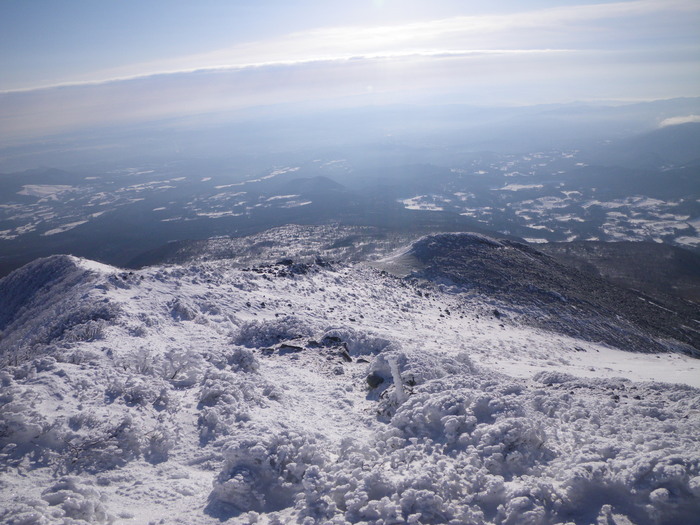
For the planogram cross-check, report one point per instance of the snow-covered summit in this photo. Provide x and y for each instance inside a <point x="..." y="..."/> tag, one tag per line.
<point x="304" y="390"/>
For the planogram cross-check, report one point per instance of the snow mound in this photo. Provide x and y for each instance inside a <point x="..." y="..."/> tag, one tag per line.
<point x="29" y="286"/>
<point x="49" y="303"/>
<point x="267" y="333"/>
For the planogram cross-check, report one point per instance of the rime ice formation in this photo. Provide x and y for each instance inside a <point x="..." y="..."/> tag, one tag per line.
<point x="318" y="391"/>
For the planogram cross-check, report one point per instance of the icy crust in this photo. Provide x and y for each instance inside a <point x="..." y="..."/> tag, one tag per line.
<point x="338" y="395"/>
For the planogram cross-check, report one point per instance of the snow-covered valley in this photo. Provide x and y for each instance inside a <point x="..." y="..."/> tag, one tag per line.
<point x="313" y="389"/>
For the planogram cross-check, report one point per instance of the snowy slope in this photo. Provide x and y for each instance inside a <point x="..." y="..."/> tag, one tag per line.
<point x="324" y="392"/>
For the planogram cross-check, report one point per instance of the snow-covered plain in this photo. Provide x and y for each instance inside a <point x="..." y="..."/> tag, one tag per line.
<point x="323" y="392"/>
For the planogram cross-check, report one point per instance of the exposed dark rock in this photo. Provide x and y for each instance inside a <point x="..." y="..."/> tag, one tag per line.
<point x="331" y="340"/>
<point x="288" y="349"/>
<point x="374" y="380"/>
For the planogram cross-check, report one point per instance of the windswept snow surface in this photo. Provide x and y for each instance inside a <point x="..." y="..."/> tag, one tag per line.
<point x="324" y="393"/>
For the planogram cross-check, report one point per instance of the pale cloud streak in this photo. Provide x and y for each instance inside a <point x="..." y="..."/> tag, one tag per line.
<point x="550" y="55"/>
<point x="674" y="121"/>
<point x="559" y="28"/>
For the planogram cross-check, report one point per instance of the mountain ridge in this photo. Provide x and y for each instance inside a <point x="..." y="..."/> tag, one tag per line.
<point x="283" y="386"/>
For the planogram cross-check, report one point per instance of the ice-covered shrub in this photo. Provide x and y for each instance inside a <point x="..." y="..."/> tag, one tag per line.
<point x="512" y="446"/>
<point x="134" y="390"/>
<point x="224" y="400"/>
<point x="78" y="356"/>
<point x="69" y="501"/>
<point x="219" y="387"/>
<point x="158" y="443"/>
<point x="25" y="431"/>
<point x="425" y="366"/>
<point x="243" y="360"/>
<point x="144" y="362"/>
<point x="103" y="445"/>
<point x="54" y="326"/>
<point x="138" y="330"/>
<point x="183" y="368"/>
<point x="71" y="498"/>
<point x="265" y="473"/>
<point x="440" y="417"/>
<point x="361" y="342"/>
<point x="85" y="323"/>
<point x="258" y="334"/>
<point x="89" y="331"/>
<point x="181" y="310"/>
<point x="552" y="377"/>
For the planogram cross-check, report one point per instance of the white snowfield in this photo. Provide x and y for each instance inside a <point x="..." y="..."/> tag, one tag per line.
<point x="323" y="394"/>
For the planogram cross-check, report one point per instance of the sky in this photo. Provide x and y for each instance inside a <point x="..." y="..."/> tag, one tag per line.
<point x="74" y="64"/>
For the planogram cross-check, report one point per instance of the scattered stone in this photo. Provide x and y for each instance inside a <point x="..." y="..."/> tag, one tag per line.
<point x="331" y="340"/>
<point x="289" y="349"/>
<point x="374" y="380"/>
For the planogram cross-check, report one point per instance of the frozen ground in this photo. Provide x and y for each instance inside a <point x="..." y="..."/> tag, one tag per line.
<point x="324" y="392"/>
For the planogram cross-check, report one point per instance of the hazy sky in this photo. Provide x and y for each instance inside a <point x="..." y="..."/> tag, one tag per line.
<point x="77" y="63"/>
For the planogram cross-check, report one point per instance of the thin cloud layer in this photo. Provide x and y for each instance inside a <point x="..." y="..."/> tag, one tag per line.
<point x="620" y="50"/>
<point x="556" y="28"/>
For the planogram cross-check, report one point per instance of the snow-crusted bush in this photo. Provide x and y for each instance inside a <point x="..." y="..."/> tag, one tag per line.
<point x="181" y="310"/>
<point x="138" y="330"/>
<point x="243" y="360"/>
<point x="511" y="447"/>
<point x="78" y="356"/>
<point x="85" y="323"/>
<point x="179" y="367"/>
<point x="24" y="430"/>
<point x="552" y="377"/>
<point x="183" y="368"/>
<point x="158" y="444"/>
<point x="88" y="331"/>
<point x="258" y="334"/>
<point x="224" y="400"/>
<point x="135" y="390"/>
<point x="71" y="498"/>
<point x="58" y="325"/>
<point x="143" y="362"/>
<point x="86" y="442"/>
<point x="69" y="501"/>
<point x="361" y="342"/>
<point x="102" y="445"/>
<point x="265" y="473"/>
